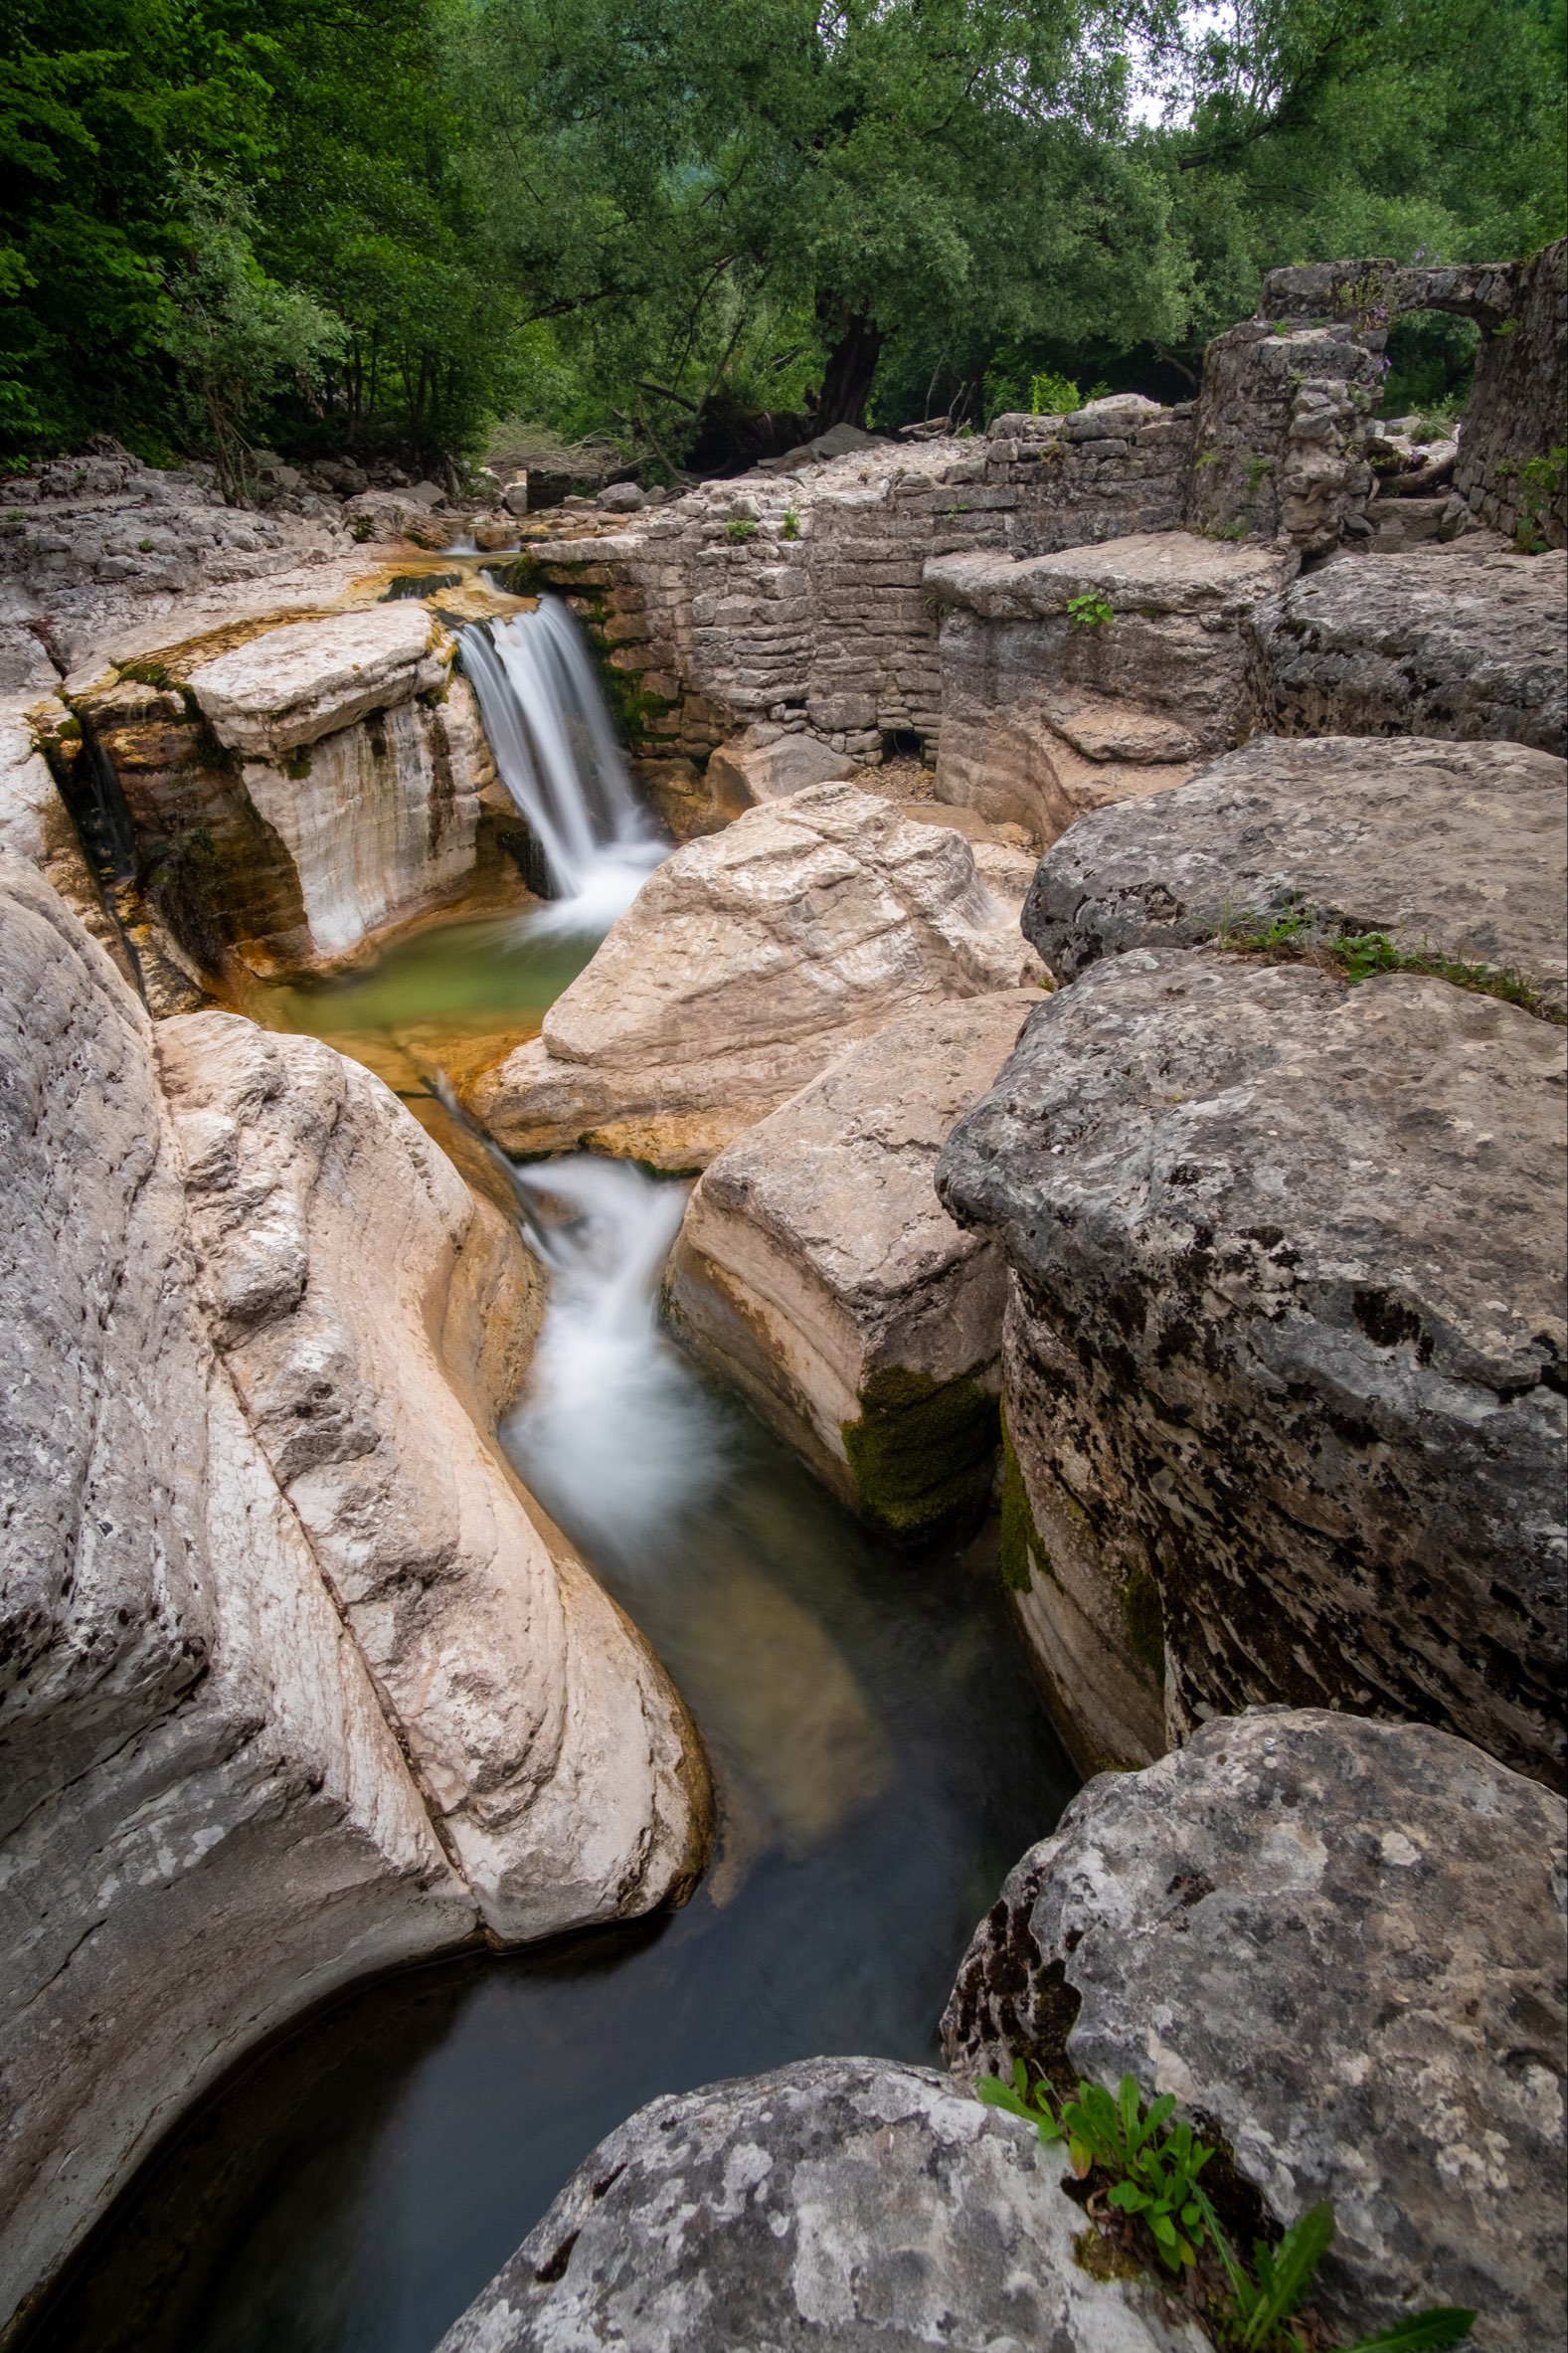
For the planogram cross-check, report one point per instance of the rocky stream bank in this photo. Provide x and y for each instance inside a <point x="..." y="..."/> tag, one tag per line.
<point x="1107" y="987"/>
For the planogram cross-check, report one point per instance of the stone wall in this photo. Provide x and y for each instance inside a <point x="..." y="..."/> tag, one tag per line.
<point x="1516" y="411"/>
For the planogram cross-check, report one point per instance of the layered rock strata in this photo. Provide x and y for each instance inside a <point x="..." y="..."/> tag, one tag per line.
<point x="1341" y="1943"/>
<point x="841" y="2201"/>
<point x="1099" y="674"/>
<point x="280" y="802"/>
<point x="295" y="1686"/>
<point x="1452" y="850"/>
<point x="816" y="1269"/>
<point x="746" y="964"/>
<point x="1463" y="642"/>
<point x="1284" y="1358"/>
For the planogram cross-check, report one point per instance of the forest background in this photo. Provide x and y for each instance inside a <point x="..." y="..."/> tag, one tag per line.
<point x="378" y="226"/>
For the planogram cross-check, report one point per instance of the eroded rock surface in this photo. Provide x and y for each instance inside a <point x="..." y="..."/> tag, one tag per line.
<point x="1097" y="675"/>
<point x="1459" y="642"/>
<point x="746" y="964"/>
<point x="1460" y="850"/>
<point x="816" y="1268"/>
<point x="1284" y="1367"/>
<point x="1342" y="1941"/>
<point x="845" y="2202"/>
<point x="295" y="1687"/>
<point x="291" y="686"/>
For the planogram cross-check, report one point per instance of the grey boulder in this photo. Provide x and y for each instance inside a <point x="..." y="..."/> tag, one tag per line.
<point x="842" y="2202"/>
<point x="1457" y="848"/>
<point x="1343" y="1942"/>
<point x="1459" y="642"/>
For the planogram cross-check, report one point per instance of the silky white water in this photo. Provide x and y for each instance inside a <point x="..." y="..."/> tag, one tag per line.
<point x="555" y="748"/>
<point x="615" y="1436"/>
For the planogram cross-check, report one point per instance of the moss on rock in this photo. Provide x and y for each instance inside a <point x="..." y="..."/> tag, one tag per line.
<point x="1020" y="1538"/>
<point x="922" y="1453"/>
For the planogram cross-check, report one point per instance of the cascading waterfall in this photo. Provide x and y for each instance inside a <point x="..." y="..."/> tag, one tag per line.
<point x="556" y="751"/>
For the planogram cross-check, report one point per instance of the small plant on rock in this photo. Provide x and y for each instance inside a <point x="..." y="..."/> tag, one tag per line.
<point x="740" y="531"/>
<point x="1091" y="611"/>
<point x="790" y="528"/>
<point x="1145" y="2166"/>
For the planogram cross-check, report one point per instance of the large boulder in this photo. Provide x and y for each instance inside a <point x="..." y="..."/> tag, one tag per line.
<point x="1460" y="850"/>
<point x="845" y="2202"/>
<point x="1456" y="641"/>
<point x="295" y="1686"/>
<point x="818" y="1270"/>
<point x="1341" y="1942"/>
<point x="285" y="799"/>
<point x="746" y="964"/>
<point x="1096" y="674"/>
<point x="767" y="764"/>
<point x="1284" y="1367"/>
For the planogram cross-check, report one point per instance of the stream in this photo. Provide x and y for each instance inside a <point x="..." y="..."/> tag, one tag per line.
<point x="880" y="1758"/>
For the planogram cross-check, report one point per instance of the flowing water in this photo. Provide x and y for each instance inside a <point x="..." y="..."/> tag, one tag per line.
<point x="557" y="753"/>
<point x="880" y="1758"/>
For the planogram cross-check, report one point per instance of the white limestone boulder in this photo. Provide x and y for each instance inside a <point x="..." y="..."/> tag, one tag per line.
<point x="295" y="1686"/>
<point x="291" y="686"/>
<point x="816" y="1268"/>
<point x="747" y="963"/>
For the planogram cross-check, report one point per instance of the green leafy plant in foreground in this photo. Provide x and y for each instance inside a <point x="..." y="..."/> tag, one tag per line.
<point x="1150" y="2166"/>
<point x="1052" y="396"/>
<point x="1091" y="611"/>
<point x="740" y="531"/>
<point x="789" y="527"/>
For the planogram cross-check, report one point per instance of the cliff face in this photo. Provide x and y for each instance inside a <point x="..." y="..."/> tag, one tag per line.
<point x="294" y="1685"/>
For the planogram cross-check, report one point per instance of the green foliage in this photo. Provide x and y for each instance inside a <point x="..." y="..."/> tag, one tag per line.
<point x="1258" y="472"/>
<point x="1052" y="396"/>
<point x="789" y="527"/>
<point x="1296" y="935"/>
<point x="1091" y="610"/>
<point x="740" y="531"/>
<point x="1147" y="2164"/>
<point x="1540" y="480"/>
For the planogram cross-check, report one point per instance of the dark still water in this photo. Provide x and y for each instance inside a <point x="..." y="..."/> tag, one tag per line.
<point x="881" y="1761"/>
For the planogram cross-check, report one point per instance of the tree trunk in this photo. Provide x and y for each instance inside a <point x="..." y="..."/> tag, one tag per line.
<point x="851" y="364"/>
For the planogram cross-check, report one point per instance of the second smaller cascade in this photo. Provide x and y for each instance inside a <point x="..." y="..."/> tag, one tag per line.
<point x="556" y="752"/>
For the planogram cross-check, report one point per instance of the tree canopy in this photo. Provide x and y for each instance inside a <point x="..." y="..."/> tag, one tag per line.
<point x="377" y="225"/>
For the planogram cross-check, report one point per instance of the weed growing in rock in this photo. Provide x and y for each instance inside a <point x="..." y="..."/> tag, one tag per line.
<point x="790" y="528"/>
<point x="740" y="531"/>
<point x="1258" y="472"/>
<point x="1145" y="2166"/>
<point x="1091" y="611"/>
<point x="1539" y="480"/>
<point x="1298" y="936"/>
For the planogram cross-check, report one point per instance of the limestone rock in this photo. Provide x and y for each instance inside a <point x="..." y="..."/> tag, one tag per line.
<point x="816" y="1268"/>
<point x="1454" y="641"/>
<point x="252" y="1743"/>
<point x="762" y="764"/>
<point x="325" y="1223"/>
<point x="1047" y="714"/>
<point x="845" y="2202"/>
<point x="748" y="961"/>
<point x="291" y="686"/>
<point x="1284" y="1365"/>
<point x="1342" y="1941"/>
<point x="1460" y="848"/>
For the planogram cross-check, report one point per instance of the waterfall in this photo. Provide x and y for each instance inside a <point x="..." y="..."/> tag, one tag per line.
<point x="556" y="751"/>
<point x="615" y="1436"/>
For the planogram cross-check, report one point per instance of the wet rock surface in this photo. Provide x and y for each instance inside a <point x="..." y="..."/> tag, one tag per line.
<point x="746" y="964"/>
<point x="845" y="2202"/>
<point x="1286" y="1334"/>
<point x="1341" y="1942"/>
<point x="1459" y="850"/>
<point x="1461" y="643"/>
<point x="816" y="1268"/>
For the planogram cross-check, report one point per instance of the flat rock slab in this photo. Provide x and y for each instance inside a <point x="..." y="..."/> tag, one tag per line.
<point x="1342" y="1942"/>
<point x="816" y="1267"/>
<point x="842" y="2202"/>
<point x="1457" y="641"/>
<point x="748" y="961"/>
<point x="293" y="685"/>
<point x="1156" y="572"/>
<point x="1457" y="848"/>
<point x="1289" y="1274"/>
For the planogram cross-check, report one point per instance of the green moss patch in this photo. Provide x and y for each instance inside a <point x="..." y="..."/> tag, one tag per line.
<point x="922" y="1453"/>
<point x="1020" y="1538"/>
